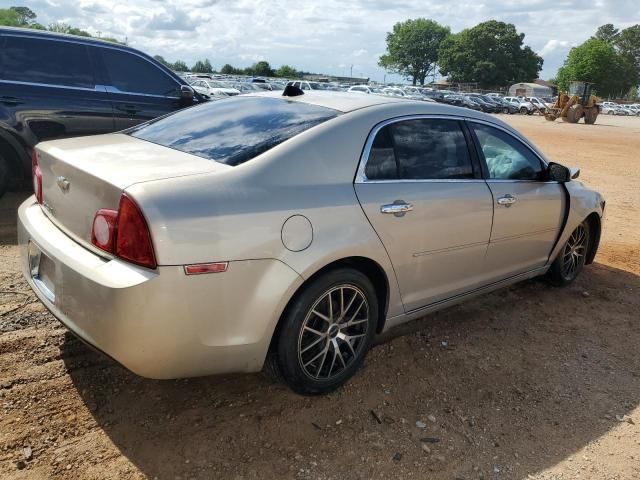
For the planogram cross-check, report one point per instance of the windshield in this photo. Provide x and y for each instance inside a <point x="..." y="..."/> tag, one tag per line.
<point x="235" y="130"/>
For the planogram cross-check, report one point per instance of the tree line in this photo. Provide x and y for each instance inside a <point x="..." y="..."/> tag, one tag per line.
<point x="24" y="17"/>
<point x="493" y="55"/>
<point x="258" y="69"/>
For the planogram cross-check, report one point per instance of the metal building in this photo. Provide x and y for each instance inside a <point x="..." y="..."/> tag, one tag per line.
<point x="529" y="90"/>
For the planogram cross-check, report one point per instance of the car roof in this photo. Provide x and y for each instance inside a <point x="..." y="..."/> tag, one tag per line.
<point x="341" y="101"/>
<point x="32" y="32"/>
<point x="348" y="102"/>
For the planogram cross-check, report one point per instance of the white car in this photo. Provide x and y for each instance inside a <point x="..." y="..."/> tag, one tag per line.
<point x="305" y="85"/>
<point x="361" y="89"/>
<point x="609" y="108"/>
<point x="214" y="89"/>
<point x="399" y="92"/>
<point x="524" y="107"/>
<point x="537" y="102"/>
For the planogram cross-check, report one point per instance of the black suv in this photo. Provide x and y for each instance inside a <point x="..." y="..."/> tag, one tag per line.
<point x="56" y="86"/>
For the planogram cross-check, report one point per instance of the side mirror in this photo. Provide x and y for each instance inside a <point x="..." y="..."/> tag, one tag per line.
<point x="558" y="173"/>
<point x="186" y="92"/>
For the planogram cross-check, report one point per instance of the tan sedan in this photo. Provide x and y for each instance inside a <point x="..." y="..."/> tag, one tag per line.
<point x="291" y="229"/>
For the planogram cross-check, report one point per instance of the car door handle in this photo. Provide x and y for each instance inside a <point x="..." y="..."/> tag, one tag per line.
<point x="399" y="208"/>
<point x="128" y="108"/>
<point x="10" y="100"/>
<point x="506" y="200"/>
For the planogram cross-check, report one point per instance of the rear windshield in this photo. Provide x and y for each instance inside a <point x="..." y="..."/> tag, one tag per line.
<point x="234" y="130"/>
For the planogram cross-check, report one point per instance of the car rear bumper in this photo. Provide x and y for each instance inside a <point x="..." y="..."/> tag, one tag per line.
<point x="157" y="323"/>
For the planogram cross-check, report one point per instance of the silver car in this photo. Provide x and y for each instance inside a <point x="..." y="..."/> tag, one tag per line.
<point x="290" y="230"/>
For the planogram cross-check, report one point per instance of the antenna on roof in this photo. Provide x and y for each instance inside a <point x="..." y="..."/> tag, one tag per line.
<point x="292" y="91"/>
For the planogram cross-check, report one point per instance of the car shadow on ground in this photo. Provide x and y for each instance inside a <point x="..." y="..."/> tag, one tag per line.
<point x="516" y="381"/>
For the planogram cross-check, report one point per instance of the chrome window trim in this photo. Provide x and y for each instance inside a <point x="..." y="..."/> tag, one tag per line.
<point x="112" y="89"/>
<point x="97" y="88"/>
<point x="361" y="176"/>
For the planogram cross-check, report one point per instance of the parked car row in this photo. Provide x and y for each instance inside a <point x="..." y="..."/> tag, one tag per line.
<point x="612" y="108"/>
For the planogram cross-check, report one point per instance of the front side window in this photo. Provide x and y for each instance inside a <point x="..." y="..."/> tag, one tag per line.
<point x="235" y="130"/>
<point x="132" y="74"/>
<point x="423" y="149"/>
<point x="52" y="62"/>
<point x="507" y="158"/>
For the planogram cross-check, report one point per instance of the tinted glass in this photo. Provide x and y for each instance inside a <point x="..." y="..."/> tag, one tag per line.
<point x="507" y="158"/>
<point x="421" y="149"/>
<point x="381" y="164"/>
<point x="46" y="61"/>
<point x="130" y="73"/>
<point x="232" y="131"/>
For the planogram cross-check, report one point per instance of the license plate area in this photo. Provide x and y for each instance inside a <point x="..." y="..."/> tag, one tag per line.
<point x="42" y="271"/>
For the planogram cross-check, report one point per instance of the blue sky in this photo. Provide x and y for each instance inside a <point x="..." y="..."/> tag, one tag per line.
<point x="327" y="36"/>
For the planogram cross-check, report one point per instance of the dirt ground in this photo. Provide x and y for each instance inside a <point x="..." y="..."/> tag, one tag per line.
<point x="531" y="382"/>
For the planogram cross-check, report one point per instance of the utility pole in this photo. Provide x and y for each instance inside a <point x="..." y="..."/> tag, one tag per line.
<point x="351" y="72"/>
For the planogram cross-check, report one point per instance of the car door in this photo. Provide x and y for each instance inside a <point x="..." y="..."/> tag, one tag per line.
<point x="139" y="90"/>
<point x="528" y="208"/>
<point x="418" y="187"/>
<point x="48" y="89"/>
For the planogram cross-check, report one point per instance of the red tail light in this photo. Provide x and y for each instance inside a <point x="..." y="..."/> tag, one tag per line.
<point x="125" y="233"/>
<point x="37" y="176"/>
<point x="133" y="239"/>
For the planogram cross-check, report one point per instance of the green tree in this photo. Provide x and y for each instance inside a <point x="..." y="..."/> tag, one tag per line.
<point x="9" y="17"/>
<point x="228" y="69"/>
<point x="287" y="71"/>
<point x="627" y="43"/>
<point x="597" y="61"/>
<point x="61" y="27"/>
<point x="202" y="67"/>
<point x="491" y="54"/>
<point x="180" y="66"/>
<point x="260" y="69"/>
<point x="607" y="32"/>
<point x="412" y="48"/>
<point x="25" y="14"/>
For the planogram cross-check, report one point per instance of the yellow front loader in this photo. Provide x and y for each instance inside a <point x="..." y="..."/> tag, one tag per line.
<point x="577" y="103"/>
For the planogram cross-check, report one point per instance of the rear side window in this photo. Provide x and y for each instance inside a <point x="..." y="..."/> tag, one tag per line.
<point x="233" y="131"/>
<point x="130" y="73"/>
<point x="53" y="62"/>
<point x="423" y="149"/>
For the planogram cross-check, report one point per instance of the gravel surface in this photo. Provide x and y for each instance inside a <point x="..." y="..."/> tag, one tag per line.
<point x="531" y="382"/>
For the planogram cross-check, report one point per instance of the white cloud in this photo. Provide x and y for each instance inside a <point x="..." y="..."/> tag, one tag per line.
<point x="316" y="36"/>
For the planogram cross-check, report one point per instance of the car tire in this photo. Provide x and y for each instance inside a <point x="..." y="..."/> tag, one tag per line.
<point x="505" y="110"/>
<point x="5" y="175"/>
<point x="571" y="259"/>
<point x="325" y="332"/>
<point x="523" y="110"/>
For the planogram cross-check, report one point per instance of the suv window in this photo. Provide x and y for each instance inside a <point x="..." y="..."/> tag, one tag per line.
<point x="507" y="158"/>
<point x="233" y="131"/>
<point x="52" y="62"/>
<point x="419" y="150"/>
<point x="130" y="73"/>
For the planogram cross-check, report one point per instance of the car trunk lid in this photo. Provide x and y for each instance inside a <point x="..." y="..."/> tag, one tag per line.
<point x="82" y="175"/>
